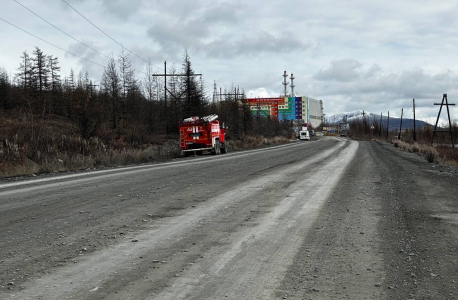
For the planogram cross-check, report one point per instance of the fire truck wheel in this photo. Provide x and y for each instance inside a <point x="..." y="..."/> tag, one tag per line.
<point x="217" y="149"/>
<point x="186" y="154"/>
<point x="224" y="148"/>
<point x="200" y="152"/>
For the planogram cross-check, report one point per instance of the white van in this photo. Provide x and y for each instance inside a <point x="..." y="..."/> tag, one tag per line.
<point x="304" y="135"/>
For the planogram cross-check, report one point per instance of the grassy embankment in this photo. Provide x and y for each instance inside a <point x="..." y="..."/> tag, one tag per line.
<point x="31" y="145"/>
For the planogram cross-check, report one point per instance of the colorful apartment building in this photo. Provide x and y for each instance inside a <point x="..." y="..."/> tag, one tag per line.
<point x="304" y="110"/>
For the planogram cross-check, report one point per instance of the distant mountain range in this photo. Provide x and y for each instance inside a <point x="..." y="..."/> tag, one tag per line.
<point x="358" y="115"/>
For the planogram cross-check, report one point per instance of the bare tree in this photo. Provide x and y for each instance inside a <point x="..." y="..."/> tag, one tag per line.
<point x="111" y="87"/>
<point x="23" y="77"/>
<point x="148" y="82"/>
<point x="55" y="85"/>
<point x="40" y="71"/>
<point x="5" y="89"/>
<point x="126" y="75"/>
<point x="194" y="104"/>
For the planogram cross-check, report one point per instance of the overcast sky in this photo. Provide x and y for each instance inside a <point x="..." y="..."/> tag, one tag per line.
<point x="354" y="55"/>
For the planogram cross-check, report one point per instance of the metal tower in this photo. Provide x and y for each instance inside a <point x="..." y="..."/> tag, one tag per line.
<point x="292" y="84"/>
<point x="284" y="82"/>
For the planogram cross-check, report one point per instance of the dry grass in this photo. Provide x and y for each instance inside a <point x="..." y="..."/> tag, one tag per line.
<point x="256" y="141"/>
<point x="448" y="155"/>
<point x="432" y="155"/>
<point x="95" y="156"/>
<point x="72" y="153"/>
<point x="32" y="145"/>
<point x="54" y="145"/>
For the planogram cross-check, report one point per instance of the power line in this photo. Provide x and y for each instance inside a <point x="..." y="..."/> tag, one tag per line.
<point x="109" y="35"/>
<point x="60" y="47"/>
<point x="52" y="44"/>
<point x="62" y="30"/>
<point x="301" y="91"/>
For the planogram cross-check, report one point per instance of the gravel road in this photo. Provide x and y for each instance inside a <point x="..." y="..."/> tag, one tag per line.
<point x="327" y="219"/>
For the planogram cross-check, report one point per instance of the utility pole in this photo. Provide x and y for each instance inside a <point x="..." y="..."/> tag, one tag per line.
<point x="292" y="84"/>
<point x="284" y="82"/>
<point x="165" y="99"/>
<point x="414" y="127"/>
<point x="388" y="125"/>
<point x="235" y="94"/>
<point x="380" y="129"/>
<point x="322" y="115"/>
<point x="444" y="99"/>
<point x="364" y="122"/>
<point x="400" y="127"/>
<point x="166" y="90"/>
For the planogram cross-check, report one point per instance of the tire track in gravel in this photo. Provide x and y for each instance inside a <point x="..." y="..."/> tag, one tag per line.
<point x="98" y="268"/>
<point x="255" y="262"/>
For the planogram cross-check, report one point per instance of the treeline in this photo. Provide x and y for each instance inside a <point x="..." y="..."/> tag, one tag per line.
<point x="54" y="122"/>
<point x="121" y="105"/>
<point x="361" y="129"/>
<point x="437" y="149"/>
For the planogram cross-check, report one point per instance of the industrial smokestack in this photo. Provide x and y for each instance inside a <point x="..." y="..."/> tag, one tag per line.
<point x="284" y="82"/>
<point x="292" y="84"/>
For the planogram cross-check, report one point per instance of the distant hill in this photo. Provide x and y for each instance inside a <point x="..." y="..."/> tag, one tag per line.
<point x="358" y="115"/>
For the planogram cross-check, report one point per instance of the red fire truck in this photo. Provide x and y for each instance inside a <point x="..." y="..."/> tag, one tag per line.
<point x="200" y="134"/>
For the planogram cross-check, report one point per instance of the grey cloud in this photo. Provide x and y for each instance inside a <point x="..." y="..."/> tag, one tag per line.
<point x="211" y="31"/>
<point x="223" y="13"/>
<point x="175" y="35"/>
<point x="384" y="91"/>
<point x="156" y="58"/>
<point x="121" y="8"/>
<point x="262" y="42"/>
<point x="340" y="70"/>
<point x="374" y="70"/>
<point x="411" y="83"/>
<point x="195" y="35"/>
<point x="94" y="70"/>
<point x="173" y="31"/>
<point x="210" y="11"/>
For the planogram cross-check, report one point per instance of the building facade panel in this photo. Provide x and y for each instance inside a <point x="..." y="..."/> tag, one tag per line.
<point x="304" y="110"/>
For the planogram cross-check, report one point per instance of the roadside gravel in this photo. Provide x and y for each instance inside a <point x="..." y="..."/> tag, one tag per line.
<point x="327" y="219"/>
<point x="388" y="231"/>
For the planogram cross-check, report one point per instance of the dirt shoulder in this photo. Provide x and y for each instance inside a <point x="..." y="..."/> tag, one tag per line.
<point x="389" y="231"/>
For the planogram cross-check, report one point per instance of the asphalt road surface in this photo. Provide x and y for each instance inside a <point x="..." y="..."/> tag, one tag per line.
<point x="329" y="218"/>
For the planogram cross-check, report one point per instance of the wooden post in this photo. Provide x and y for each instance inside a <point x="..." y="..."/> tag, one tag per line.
<point x="400" y="127"/>
<point x="414" y="127"/>
<point x="387" y="125"/>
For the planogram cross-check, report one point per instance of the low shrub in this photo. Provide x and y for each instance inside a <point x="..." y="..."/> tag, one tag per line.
<point x="432" y="156"/>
